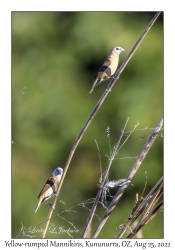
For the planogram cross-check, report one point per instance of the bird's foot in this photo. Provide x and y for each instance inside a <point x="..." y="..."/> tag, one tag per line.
<point x="115" y="77"/>
<point x="50" y="205"/>
<point x="57" y="195"/>
<point x="108" y="90"/>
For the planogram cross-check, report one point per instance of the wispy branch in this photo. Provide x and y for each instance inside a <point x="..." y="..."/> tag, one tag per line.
<point x="111" y="158"/>
<point x="130" y="175"/>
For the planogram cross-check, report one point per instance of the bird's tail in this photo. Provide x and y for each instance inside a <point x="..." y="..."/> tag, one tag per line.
<point x="92" y="89"/>
<point x="96" y="82"/>
<point x="39" y="203"/>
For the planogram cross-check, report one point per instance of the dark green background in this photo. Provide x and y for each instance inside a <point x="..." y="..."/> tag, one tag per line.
<point x="55" y="56"/>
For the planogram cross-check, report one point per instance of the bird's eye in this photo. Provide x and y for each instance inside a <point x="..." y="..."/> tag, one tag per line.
<point x="117" y="48"/>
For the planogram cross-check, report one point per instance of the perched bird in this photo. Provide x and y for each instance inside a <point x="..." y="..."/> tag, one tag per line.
<point x="50" y="187"/>
<point x="108" y="68"/>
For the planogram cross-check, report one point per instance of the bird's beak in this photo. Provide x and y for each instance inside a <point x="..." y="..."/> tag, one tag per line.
<point x="122" y="50"/>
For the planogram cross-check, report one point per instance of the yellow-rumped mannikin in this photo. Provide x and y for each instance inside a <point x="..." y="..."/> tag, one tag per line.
<point x="50" y="188"/>
<point x="108" y="68"/>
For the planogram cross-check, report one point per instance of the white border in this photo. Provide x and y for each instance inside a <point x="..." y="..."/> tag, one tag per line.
<point x="5" y="92"/>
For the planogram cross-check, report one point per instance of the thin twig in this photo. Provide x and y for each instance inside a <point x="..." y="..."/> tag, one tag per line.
<point x="21" y="92"/>
<point x="83" y="204"/>
<point x="89" y="220"/>
<point x="130" y="175"/>
<point x="101" y="173"/>
<point x="145" y="220"/>
<point x="152" y="201"/>
<point x="108" y="135"/>
<point x="134" y="215"/>
<point x="128" y="136"/>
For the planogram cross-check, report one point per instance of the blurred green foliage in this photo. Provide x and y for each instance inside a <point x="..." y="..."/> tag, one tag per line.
<point x="55" y="56"/>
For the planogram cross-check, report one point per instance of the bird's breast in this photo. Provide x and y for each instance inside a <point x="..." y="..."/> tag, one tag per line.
<point x="114" y="63"/>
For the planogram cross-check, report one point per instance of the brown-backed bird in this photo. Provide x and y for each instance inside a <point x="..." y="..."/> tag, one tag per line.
<point x="108" y="68"/>
<point x="50" y="188"/>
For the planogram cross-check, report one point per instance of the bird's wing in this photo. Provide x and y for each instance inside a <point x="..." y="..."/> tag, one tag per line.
<point x="49" y="183"/>
<point x="105" y="65"/>
<point x="107" y="62"/>
<point x="104" y="71"/>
